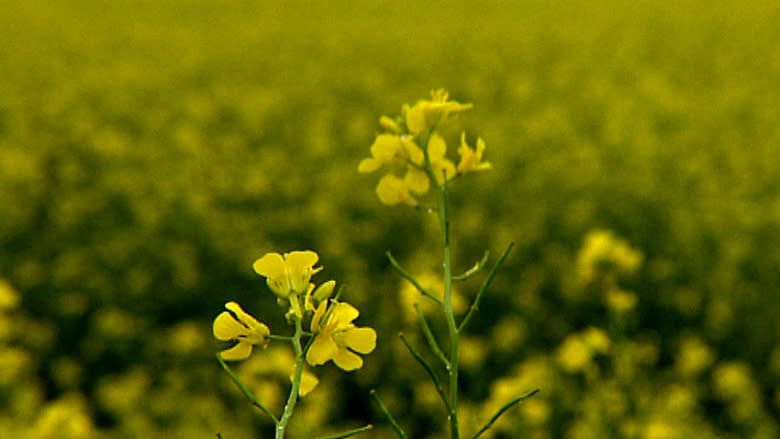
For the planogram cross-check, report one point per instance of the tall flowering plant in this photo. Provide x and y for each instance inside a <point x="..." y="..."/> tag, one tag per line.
<point x="331" y="333"/>
<point x="412" y="152"/>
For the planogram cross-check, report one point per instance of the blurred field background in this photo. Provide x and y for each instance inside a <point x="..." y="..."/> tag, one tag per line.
<point x="151" y="151"/>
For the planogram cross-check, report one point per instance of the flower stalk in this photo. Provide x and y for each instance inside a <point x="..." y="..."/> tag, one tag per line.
<point x="292" y="398"/>
<point x="413" y="153"/>
<point x="333" y="334"/>
<point x="449" y="313"/>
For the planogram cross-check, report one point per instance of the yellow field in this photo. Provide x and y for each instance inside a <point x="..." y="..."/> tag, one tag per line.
<point x="150" y="151"/>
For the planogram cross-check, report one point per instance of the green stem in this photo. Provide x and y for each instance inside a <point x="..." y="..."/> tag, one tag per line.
<point x="485" y="285"/>
<point x="292" y="398"/>
<point x="405" y="274"/>
<point x="501" y="411"/>
<point x="349" y="433"/>
<point x="429" y="337"/>
<point x="452" y="326"/>
<point x="393" y="423"/>
<point x="428" y="369"/>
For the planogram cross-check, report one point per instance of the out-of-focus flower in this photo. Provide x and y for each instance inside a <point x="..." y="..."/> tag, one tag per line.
<point x="337" y="338"/>
<point x="577" y="350"/>
<point x="620" y="301"/>
<point x="9" y="298"/>
<point x="470" y="158"/>
<point x="237" y="325"/>
<point x="693" y="356"/>
<point x="603" y="255"/>
<point x="289" y="273"/>
<point x="426" y="114"/>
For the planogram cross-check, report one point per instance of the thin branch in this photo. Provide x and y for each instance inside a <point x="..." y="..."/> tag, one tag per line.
<point x="478" y="266"/>
<point x="429" y="337"/>
<point x="393" y="423"/>
<point x="349" y="433"/>
<point x="405" y="274"/>
<point x="428" y="369"/>
<point x="245" y="390"/>
<point x="501" y="411"/>
<point x="485" y="285"/>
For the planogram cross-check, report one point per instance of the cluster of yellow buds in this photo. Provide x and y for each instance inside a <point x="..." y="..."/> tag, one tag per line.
<point x="414" y="152"/>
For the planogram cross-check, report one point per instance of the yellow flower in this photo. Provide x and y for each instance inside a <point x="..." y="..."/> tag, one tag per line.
<point x="392" y="150"/>
<point x="337" y="338"/>
<point x="426" y="114"/>
<point x="236" y="325"/>
<point x="289" y="273"/>
<point x="577" y="350"/>
<point x="9" y="298"/>
<point x="440" y="165"/>
<point x="471" y="159"/>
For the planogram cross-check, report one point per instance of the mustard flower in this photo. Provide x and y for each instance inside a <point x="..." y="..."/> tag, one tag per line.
<point x="391" y="150"/>
<point x="470" y="158"/>
<point x="289" y="273"/>
<point x="237" y="325"/>
<point x="337" y="338"/>
<point x="426" y="114"/>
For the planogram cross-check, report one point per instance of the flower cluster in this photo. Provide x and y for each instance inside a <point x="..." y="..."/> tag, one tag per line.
<point x="335" y="337"/>
<point x="414" y="152"/>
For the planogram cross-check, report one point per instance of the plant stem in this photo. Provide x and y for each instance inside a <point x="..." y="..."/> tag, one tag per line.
<point x="292" y="398"/>
<point x="393" y="423"/>
<point x="452" y="326"/>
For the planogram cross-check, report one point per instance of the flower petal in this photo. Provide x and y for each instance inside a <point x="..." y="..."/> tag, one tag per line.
<point x="322" y="349"/>
<point x="299" y="269"/>
<point x="271" y="265"/>
<point x="308" y="382"/>
<point x="226" y="327"/>
<point x="414" y="152"/>
<point x="240" y="351"/>
<point x="437" y="147"/>
<point x="415" y="117"/>
<point x="318" y="315"/>
<point x="301" y="260"/>
<point x="417" y="180"/>
<point x="362" y="340"/>
<point x="347" y="361"/>
<point x="343" y="314"/>
<point x="257" y="331"/>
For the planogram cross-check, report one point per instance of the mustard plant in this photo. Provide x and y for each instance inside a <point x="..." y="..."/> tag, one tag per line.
<point x="412" y="151"/>
<point x="331" y="333"/>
